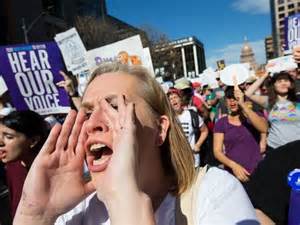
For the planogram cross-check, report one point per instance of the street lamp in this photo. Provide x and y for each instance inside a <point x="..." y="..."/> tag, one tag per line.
<point x="27" y="29"/>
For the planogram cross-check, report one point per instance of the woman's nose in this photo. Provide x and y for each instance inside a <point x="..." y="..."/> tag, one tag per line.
<point x="96" y="123"/>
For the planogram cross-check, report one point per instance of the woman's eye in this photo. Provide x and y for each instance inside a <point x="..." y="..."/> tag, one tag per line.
<point x="88" y="115"/>
<point x="115" y="106"/>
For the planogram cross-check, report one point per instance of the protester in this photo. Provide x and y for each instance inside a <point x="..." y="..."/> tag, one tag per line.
<point x="296" y="74"/>
<point x="190" y="99"/>
<point x="22" y="134"/>
<point x="284" y="111"/>
<point x="211" y="101"/>
<point x="267" y="188"/>
<point x="239" y="132"/>
<point x="192" y="124"/>
<point x="139" y="159"/>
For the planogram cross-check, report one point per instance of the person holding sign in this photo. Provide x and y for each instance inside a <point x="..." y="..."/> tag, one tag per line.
<point x="139" y="159"/>
<point x="284" y="110"/>
<point x="239" y="133"/>
<point x="283" y="141"/>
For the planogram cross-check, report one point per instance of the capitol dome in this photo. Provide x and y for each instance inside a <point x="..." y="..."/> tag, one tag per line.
<point x="247" y="55"/>
<point x="246" y="49"/>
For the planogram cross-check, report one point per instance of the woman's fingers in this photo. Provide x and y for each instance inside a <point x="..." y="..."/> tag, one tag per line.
<point x="130" y="117"/>
<point x="65" y="76"/>
<point x="65" y="131"/>
<point x="73" y="140"/>
<point x="61" y="83"/>
<point x="49" y="145"/>
<point x="121" y="109"/>
<point x="80" y="147"/>
<point x="111" y="115"/>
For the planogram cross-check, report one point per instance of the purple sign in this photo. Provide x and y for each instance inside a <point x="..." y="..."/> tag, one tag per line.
<point x="292" y="31"/>
<point x="30" y="73"/>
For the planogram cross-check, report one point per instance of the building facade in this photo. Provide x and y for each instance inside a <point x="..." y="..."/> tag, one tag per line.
<point x="269" y="48"/>
<point x="43" y="19"/>
<point x="186" y="58"/>
<point x="279" y="10"/>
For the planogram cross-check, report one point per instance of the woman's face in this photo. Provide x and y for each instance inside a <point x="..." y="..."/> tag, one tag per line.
<point x="109" y="86"/>
<point x="12" y="144"/>
<point x="232" y="104"/>
<point x="282" y="86"/>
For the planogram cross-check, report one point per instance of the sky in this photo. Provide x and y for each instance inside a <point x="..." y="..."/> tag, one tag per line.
<point x="221" y="25"/>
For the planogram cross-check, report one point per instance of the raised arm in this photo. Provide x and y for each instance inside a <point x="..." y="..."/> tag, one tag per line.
<point x="257" y="121"/>
<point x="259" y="99"/>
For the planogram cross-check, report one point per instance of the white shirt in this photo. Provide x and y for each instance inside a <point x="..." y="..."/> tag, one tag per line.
<point x="221" y="201"/>
<point x="185" y="119"/>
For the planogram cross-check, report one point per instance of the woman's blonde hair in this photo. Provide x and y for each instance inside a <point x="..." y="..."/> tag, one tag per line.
<point x="177" y="157"/>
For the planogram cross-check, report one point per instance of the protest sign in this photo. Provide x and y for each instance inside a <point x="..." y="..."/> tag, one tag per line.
<point x="284" y="63"/>
<point x="147" y="60"/>
<point x="291" y="32"/>
<point x="128" y="51"/>
<point x="221" y="64"/>
<point x="239" y="71"/>
<point x="30" y="73"/>
<point x="73" y="51"/>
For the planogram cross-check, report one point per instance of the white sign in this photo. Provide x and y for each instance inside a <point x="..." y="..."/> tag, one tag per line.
<point x="147" y="61"/>
<point x="128" y="51"/>
<point x="73" y="51"/>
<point x="239" y="71"/>
<point x="284" y="63"/>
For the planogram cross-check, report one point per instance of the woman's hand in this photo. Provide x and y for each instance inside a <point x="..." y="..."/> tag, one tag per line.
<point x="55" y="181"/>
<point x="117" y="186"/>
<point x="240" y="172"/>
<point x="121" y="168"/>
<point x="67" y="84"/>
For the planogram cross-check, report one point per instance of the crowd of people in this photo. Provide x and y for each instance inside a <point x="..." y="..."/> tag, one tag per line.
<point x="192" y="155"/>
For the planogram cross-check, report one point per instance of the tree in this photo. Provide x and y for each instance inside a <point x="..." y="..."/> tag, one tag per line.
<point x="166" y="58"/>
<point x="95" y="32"/>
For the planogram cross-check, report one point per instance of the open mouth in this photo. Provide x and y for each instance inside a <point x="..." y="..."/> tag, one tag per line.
<point x="98" y="157"/>
<point x="2" y="154"/>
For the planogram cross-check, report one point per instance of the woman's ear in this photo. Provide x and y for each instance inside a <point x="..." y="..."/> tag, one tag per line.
<point x="163" y="124"/>
<point x="34" y="140"/>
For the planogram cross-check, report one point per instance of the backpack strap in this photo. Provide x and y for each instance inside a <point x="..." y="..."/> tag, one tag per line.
<point x="186" y="203"/>
<point x="195" y="123"/>
<point x="195" y="119"/>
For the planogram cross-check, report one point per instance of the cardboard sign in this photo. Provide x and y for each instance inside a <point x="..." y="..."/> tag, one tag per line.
<point x="128" y="51"/>
<point x="284" y="63"/>
<point x="73" y="51"/>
